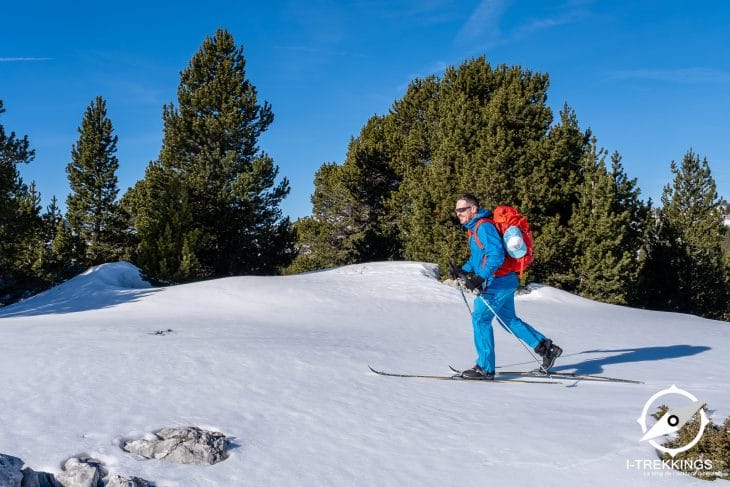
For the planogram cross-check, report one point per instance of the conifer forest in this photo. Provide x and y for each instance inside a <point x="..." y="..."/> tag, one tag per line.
<point x="209" y="205"/>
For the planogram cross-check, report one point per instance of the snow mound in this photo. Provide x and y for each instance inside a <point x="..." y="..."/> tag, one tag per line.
<point x="99" y="287"/>
<point x="116" y="274"/>
<point x="396" y="270"/>
<point x="548" y="294"/>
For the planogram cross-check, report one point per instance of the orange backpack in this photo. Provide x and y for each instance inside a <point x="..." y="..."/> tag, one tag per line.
<point x="516" y="239"/>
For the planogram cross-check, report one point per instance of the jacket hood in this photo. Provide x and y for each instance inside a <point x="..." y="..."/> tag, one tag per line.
<point x="483" y="213"/>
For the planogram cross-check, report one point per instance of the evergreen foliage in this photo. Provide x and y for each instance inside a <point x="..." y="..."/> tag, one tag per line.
<point x="36" y="250"/>
<point x="606" y="235"/>
<point x="93" y="212"/>
<point x="490" y="124"/>
<point x="481" y="128"/>
<point x="685" y="267"/>
<point x="725" y="210"/>
<point x="20" y="219"/>
<point x="58" y="251"/>
<point x="551" y="193"/>
<point x="626" y="201"/>
<point x="485" y="130"/>
<point x="209" y="206"/>
<point x="331" y="228"/>
<point x="349" y="222"/>
<point x="713" y="448"/>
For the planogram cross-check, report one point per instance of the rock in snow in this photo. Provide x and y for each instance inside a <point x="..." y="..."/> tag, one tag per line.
<point x="119" y="481"/>
<point x="31" y="478"/>
<point x="10" y="471"/>
<point x="81" y="472"/>
<point x="11" y="474"/>
<point x="182" y="445"/>
<point x="78" y="472"/>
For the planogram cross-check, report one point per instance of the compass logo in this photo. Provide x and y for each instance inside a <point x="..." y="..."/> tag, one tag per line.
<point x="672" y="420"/>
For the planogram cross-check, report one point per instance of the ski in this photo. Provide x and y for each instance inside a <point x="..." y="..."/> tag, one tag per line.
<point x="459" y="378"/>
<point x="560" y="375"/>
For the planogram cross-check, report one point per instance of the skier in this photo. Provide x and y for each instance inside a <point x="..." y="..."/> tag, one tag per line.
<point x="497" y="288"/>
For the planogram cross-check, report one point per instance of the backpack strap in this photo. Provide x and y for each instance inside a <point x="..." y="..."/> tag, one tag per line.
<point x="509" y="264"/>
<point x="473" y="233"/>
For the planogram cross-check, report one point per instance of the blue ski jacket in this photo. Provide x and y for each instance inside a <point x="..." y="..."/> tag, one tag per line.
<point x="484" y="262"/>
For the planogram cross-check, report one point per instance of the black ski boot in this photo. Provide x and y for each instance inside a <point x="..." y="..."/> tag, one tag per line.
<point x="549" y="353"/>
<point x="477" y="373"/>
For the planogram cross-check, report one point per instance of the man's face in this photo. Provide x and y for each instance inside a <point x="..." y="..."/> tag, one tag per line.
<point x="465" y="211"/>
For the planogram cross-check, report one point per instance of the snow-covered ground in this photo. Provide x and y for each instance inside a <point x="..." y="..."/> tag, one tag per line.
<point x="281" y="365"/>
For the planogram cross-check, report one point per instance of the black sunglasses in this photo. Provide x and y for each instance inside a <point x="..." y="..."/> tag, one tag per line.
<point x="463" y="209"/>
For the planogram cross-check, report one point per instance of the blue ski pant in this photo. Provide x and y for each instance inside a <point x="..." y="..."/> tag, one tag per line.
<point x="502" y="302"/>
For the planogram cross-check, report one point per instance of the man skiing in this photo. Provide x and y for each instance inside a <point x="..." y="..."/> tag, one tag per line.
<point x="486" y="257"/>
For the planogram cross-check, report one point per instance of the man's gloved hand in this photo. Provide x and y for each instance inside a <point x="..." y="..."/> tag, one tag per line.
<point x="456" y="272"/>
<point x="473" y="283"/>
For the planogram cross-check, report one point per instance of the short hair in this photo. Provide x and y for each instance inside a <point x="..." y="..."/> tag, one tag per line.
<point x="469" y="198"/>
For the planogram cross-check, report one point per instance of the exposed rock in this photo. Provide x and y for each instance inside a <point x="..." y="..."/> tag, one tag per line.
<point x="31" y="478"/>
<point x="120" y="481"/>
<point x="182" y="445"/>
<point x="81" y="472"/>
<point x="10" y="471"/>
<point x="78" y="472"/>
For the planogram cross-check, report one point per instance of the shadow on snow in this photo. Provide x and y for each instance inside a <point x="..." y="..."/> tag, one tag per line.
<point x="61" y="303"/>
<point x="620" y="356"/>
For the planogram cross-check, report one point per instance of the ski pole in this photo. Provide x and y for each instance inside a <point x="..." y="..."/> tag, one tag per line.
<point x="504" y="325"/>
<point x="458" y="281"/>
<point x="499" y="320"/>
<point x="463" y="296"/>
<point x="501" y="323"/>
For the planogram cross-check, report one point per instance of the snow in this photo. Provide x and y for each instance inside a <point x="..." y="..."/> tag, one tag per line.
<point x="281" y="365"/>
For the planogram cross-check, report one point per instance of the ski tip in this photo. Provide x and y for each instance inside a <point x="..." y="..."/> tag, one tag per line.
<point x="373" y="370"/>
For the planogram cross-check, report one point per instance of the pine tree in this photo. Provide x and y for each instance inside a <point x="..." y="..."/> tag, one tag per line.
<point x="627" y="201"/>
<point x="414" y="137"/>
<point x="484" y="127"/>
<point x="485" y="130"/>
<point x="93" y="212"/>
<point x="516" y="119"/>
<point x="480" y="129"/>
<point x="164" y="226"/>
<point x="329" y="236"/>
<point x="605" y="254"/>
<point x="371" y="183"/>
<point x="19" y="218"/>
<point x="551" y="193"/>
<point x="58" y="254"/>
<point x="685" y="268"/>
<point x="349" y="221"/>
<point x="225" y="217"/>
<point x="29" y="243"/>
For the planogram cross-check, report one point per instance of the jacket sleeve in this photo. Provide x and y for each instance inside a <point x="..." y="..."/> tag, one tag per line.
<point x="493" y="249"/>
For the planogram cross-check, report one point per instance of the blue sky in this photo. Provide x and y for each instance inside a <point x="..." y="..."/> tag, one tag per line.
<point x="649" y="78"/>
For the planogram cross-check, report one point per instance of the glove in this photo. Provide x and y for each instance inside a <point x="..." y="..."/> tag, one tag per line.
<point x="456" y="273"/>
<point x="473" y="283"/>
